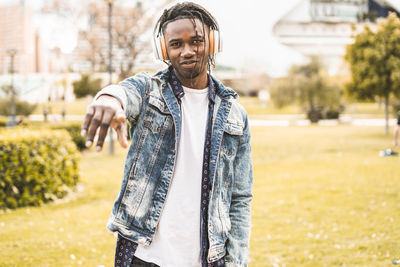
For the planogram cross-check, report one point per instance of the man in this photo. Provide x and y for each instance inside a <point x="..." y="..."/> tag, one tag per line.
<point x="396" y="131"/>
<point x="186" y="189"/>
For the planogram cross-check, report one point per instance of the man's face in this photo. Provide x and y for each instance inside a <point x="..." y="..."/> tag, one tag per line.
<point x="187" y="48"/>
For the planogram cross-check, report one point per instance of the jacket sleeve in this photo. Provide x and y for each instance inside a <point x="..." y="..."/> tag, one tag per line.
<point x="237" y="246"/>
<point x="130" y="93"/>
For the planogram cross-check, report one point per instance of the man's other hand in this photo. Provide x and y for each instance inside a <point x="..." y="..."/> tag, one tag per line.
<point x="104" y="112"/>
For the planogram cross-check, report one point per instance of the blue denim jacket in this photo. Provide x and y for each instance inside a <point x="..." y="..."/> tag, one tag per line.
<point x="153" y="112"/>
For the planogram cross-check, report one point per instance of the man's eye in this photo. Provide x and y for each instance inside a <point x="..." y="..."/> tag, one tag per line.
<point x="174" y="44"/>
<point x="197" y="41"/>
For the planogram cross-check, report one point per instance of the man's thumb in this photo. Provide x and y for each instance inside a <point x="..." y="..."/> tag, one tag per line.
<point x="120" y="116"/>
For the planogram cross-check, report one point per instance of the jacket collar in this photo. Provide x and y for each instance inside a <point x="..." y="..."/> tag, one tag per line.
<point x="221" y="90"/>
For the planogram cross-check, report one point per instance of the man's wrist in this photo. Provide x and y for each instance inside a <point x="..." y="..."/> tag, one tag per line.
<point x="115" y="91"/>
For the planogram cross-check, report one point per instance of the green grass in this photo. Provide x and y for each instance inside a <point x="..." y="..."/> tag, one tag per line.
<point x="256" y="108"/>
<point x="260" y="110"/>
<point x="322" y="196"/>
<point x="67" y="234"/>
<point x="77" y="107"/>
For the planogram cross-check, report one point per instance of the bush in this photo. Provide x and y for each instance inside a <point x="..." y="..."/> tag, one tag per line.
<point x="85" y="86"/>
<point x="309" y="86"/>
<point x="74" y="130"/>
<point x="21" y="107"/>
<point x="332" y="114"/>
<point x="314" y="115"/>
<point x="36" y="166"/>
<point x="3" y="121"/>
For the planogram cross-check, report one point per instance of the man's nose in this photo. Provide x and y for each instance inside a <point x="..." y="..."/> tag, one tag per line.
<point x="188" y="51"/>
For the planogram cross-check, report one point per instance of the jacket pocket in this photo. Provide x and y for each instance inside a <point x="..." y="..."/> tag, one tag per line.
<point x="233" y="127"/>
<point x="232" y="132"/>
<point x="156" y="115"/>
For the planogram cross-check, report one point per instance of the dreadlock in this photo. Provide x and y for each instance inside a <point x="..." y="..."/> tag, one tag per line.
<point x="187" y="10"/>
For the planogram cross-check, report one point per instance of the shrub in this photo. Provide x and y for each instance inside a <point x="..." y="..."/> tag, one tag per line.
<point x="85" y="86"/>
<point x="309" y="86"/>
<point x="74" y="130"/>
<point x="3" y="121"/>
<point x="21" y="107"/>
<point x="36" y="166"/>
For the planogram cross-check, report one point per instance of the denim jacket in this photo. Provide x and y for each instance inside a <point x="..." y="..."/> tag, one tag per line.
<point x="154" y="115"/>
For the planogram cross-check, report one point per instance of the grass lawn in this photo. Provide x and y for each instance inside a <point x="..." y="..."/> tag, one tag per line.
<point x="77" y="107"/>
<point x="255" y="108"/>
<point x="322" y="197"/>
<point x="259" y="110"/>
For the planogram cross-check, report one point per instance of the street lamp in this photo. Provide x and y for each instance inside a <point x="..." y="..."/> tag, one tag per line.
<point x="12" y="121"/>
<point x="110" y="6"/>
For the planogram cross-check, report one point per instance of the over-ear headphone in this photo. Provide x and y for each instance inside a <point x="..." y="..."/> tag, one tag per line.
<point x="160" y="47"/>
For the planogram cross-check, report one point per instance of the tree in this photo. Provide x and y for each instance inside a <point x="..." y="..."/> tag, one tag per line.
<point x="130" y="22"/>
<point x="374" y="60"/>
<point x="308" y="86"/>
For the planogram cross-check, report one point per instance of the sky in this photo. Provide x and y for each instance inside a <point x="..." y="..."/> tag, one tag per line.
<point x="246" y="29"/>
<point x="248" y="40"/>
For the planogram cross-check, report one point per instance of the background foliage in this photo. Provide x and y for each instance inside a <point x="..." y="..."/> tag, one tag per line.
<point x="86" y="86"/>
<point x="374" y="60"/>
<point x="74" y="130"/>
<point x="35" y="166"/>
<point x="309" y="87"/>
<point x="21" y="107"/>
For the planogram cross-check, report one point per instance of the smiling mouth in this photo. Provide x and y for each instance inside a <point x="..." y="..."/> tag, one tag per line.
<point x="189" y="64"/>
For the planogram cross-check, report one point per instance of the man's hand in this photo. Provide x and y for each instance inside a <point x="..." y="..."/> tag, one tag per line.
<point x="104" y="112"/>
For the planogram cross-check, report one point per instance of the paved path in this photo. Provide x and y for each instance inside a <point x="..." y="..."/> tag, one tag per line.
<point x="302" y="122"/>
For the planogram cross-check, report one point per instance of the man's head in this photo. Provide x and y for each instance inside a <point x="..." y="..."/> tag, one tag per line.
<point x="186" y="30"/>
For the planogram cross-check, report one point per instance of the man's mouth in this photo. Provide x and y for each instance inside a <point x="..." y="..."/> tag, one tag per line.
<point x="189" y="64"/>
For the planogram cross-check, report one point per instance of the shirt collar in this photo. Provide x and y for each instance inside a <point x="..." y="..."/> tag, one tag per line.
<point x="178" y="89"/>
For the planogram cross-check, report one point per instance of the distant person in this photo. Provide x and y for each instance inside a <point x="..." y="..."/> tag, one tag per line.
<point x="396" y="131"/>
<point x="186" y="189"/>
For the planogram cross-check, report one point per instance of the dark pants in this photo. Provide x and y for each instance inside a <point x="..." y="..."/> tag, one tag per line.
<point x="124" y="255"/>
<point x="136" y="262"/>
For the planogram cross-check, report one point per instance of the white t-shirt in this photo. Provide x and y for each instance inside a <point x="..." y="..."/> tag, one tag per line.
<point x="176" y="242"/>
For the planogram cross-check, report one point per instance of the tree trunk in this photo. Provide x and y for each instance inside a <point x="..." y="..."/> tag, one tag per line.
<point x="387" y="114"/>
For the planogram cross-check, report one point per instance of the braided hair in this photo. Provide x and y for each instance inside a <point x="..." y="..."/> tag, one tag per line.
<point x="187" y="10"/>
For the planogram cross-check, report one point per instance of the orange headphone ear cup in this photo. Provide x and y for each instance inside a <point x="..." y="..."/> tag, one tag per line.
<point x="211" y="38"/>
<point x="163" y="48"/>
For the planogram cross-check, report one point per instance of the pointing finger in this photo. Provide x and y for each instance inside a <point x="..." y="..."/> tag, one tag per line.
<point x="87" y="120"/>
<point x="104" y="126"/>
<point x="95" y="123"/>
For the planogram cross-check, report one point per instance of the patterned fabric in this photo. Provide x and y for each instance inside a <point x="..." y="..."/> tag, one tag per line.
<point x="124" y="253"/>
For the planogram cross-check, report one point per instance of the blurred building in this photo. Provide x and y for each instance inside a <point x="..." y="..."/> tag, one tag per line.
<point x="323" y="28"/>
<point x="18" y="32"/>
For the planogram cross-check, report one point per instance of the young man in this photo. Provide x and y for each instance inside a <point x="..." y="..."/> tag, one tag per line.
<point x="186" y="189"/>
<point x="396" y="131"/>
